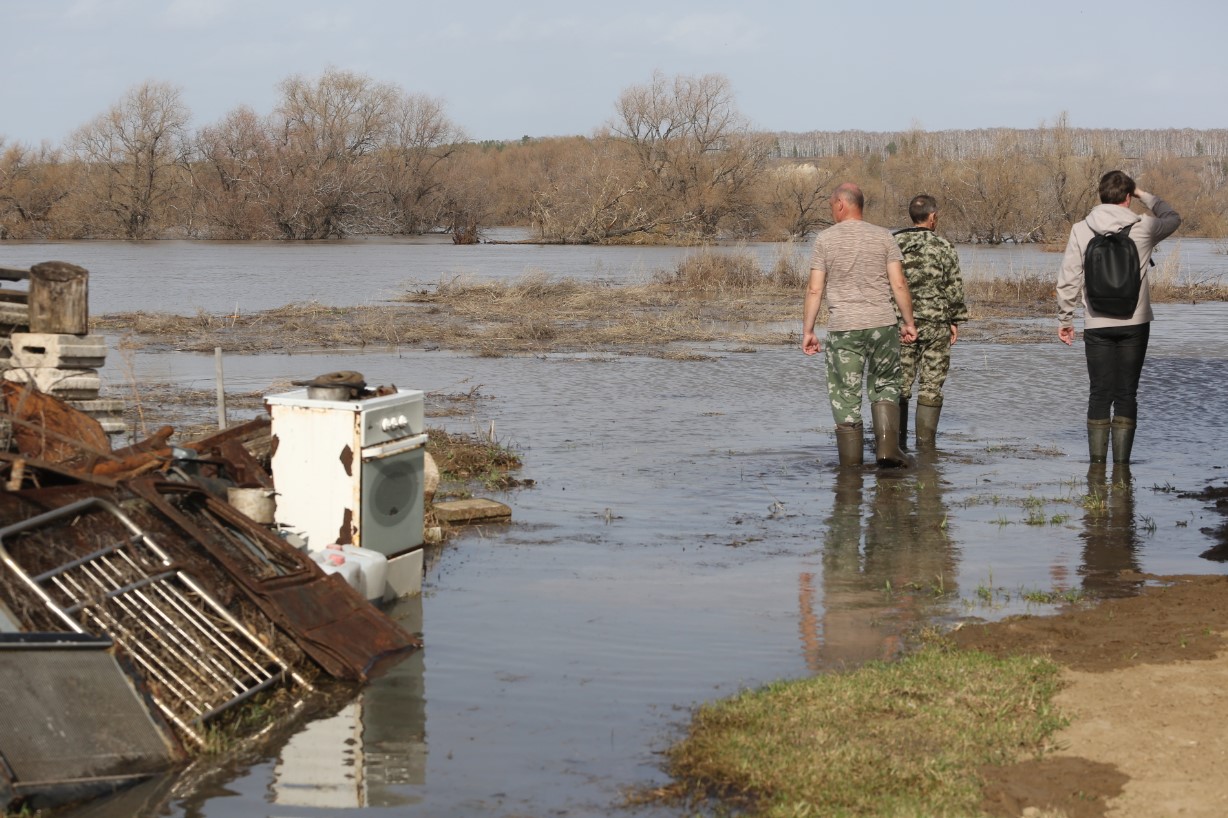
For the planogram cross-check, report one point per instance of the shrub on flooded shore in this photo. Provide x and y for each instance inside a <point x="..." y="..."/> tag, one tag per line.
<point x="901" y="738"/>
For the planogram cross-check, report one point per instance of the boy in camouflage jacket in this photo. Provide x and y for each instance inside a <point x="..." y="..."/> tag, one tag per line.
<point x="932" y="268"/>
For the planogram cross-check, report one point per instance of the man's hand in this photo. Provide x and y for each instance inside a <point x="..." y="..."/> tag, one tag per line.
<point x="954" y="333"/>
<point x="908" y="332"/>
<point x="810" y="343"/>
<point x="1066" y="335"/>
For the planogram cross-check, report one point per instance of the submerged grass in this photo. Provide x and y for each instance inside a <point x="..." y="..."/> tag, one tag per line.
<point x="889" y="739"/>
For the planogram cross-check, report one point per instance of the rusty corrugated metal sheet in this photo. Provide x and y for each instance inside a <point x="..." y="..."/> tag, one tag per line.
<point x="328" y="619"/>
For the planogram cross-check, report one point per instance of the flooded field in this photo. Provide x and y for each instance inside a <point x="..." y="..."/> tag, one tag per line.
<point x="182" y="277"/>
<point x="689" y="534"/>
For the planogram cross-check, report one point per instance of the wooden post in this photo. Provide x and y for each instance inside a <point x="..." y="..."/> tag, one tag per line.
<point x="221" y="389"/>
<point x="59" y="298"/>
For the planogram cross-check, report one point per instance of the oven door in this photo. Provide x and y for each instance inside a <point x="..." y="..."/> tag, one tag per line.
<point x="391" y="503"/>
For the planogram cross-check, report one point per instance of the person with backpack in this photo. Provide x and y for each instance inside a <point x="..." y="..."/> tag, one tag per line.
<point x="1105" y="269"/>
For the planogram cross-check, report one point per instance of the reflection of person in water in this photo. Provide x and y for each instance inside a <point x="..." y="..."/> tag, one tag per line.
<point x="884" y="567"/>
<point x="1110" y="538"/>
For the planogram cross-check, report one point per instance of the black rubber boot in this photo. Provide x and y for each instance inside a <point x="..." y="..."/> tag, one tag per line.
<point x="886" y="416"/>
<point x="903" y="423"/>
<point x="1123" y="438"/>
<point x="927" y="424"/>
<point x="1098" y="440"/>
<point x="850" y="443"/>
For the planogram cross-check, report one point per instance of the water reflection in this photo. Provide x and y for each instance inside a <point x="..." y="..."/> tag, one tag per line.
<point x="372" y="753"/>
<point x="1110" y="560"/>
<point x="888" y="562"/>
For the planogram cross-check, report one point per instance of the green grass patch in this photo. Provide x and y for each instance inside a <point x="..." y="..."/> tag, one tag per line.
<point x="890" y="739"/>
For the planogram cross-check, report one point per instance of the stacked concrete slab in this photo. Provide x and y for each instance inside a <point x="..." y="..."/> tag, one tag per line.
<point x="66" y="366"/>
<point x="49" y="343"/>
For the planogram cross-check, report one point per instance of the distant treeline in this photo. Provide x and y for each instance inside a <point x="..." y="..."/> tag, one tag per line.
<point x="344" y="155"/>
<point x="964" y="144"/>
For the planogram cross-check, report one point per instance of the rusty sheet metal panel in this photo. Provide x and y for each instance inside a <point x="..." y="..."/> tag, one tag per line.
<point x="334" y="624"/>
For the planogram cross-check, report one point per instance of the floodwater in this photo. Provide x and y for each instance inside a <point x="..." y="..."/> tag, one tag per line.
<point x="184" y="277"/>
<point x="689" y="535"/>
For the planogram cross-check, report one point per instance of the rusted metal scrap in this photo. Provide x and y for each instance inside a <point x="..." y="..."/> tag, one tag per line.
<point x="97" y="542"/>
<point x="329" y="620"/>
<point x="47" y="428"/>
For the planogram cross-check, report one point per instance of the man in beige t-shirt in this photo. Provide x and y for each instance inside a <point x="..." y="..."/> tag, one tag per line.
<point x="859" y="267"/>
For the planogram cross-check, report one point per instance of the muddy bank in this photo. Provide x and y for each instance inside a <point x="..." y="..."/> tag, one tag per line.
<point x="1145" y="679"/>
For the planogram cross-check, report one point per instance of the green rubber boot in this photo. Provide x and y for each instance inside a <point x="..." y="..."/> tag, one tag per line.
<point x="927" y="424"/>
<point x="1098" y="440"/>
<point x="850" y="444"/>
<point x="1123" y="438"/>
<point x="886" y="416"/>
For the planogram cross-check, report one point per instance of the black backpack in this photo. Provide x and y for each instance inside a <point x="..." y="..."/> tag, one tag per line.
<point x="1112" y="275"/>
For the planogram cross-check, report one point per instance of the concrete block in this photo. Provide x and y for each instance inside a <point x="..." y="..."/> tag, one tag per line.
<point x="477" y="510"/>
<point x="66" y="384"/>
<point x="44" y="349"/>
<point x="113" y="426"/>
<point x="97" y="407"/>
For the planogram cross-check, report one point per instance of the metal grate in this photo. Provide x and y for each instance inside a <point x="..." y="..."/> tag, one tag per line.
<point x="197" y="658"/>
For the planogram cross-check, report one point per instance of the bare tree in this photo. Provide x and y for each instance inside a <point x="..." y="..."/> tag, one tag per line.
<point x="695" y="156"/>
<point x="996" y="195"/>
<point x="420" y="140"/>
<point x="796" y="198"/>
<point x="135" y="156"/>
<point x="232" y="178"/>
<point x="323" y="183"/>
<point x="590" y="196"/>
<point x="32" y="183"/>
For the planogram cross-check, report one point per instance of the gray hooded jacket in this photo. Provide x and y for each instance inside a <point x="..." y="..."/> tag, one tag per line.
<point x="1148" y="231"/>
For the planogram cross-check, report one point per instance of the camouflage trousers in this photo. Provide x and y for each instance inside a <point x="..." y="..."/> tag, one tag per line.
<point x="872" y="354"/>
<point x="926" y="360"/>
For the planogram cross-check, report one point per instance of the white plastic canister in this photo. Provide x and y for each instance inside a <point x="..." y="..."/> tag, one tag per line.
<point x="373" y="566"/>
<point x="335" y="562"/>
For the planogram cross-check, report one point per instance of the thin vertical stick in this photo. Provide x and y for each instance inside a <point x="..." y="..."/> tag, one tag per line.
<point x="221" y="389"/>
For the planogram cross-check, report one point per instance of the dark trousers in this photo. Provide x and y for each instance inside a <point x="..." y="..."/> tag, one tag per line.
<point x="1114" y="363"/>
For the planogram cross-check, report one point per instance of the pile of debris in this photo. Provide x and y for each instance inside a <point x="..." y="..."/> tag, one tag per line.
<point x="138" y="607"/>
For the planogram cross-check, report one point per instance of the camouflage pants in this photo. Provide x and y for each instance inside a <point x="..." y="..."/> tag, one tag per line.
<point x="870" y="353"/>
<point x="931" y="354"/>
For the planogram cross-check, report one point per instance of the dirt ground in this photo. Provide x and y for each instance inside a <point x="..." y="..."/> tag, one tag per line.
<point x="1147" y="698"/>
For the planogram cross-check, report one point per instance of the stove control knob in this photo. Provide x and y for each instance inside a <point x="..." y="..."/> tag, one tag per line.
<point x="402" y="422"/>
<point x="385" y="424"/>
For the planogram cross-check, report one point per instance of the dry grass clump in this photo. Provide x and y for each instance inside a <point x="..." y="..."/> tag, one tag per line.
<point x="1170" y="285"/>
<point x="1011" y="296"/>
<point x="710" y="270"/>
<point x="469" y="458"/>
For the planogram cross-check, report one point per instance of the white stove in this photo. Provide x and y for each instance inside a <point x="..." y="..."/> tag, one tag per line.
<point x="350" y="471"/>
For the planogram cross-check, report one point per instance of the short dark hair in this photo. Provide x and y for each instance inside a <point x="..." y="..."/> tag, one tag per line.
<point x="1115" y="186"/>
<point x="921" y="206"/>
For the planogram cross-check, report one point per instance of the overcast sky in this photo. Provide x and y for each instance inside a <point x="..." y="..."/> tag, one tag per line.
<point x="555" y="67"/>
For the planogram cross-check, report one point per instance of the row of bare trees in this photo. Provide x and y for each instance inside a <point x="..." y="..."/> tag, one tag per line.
<point x="344" y="155"/>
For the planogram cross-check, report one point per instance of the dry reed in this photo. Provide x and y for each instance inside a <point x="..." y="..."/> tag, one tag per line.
<point x="711" y="297"/>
